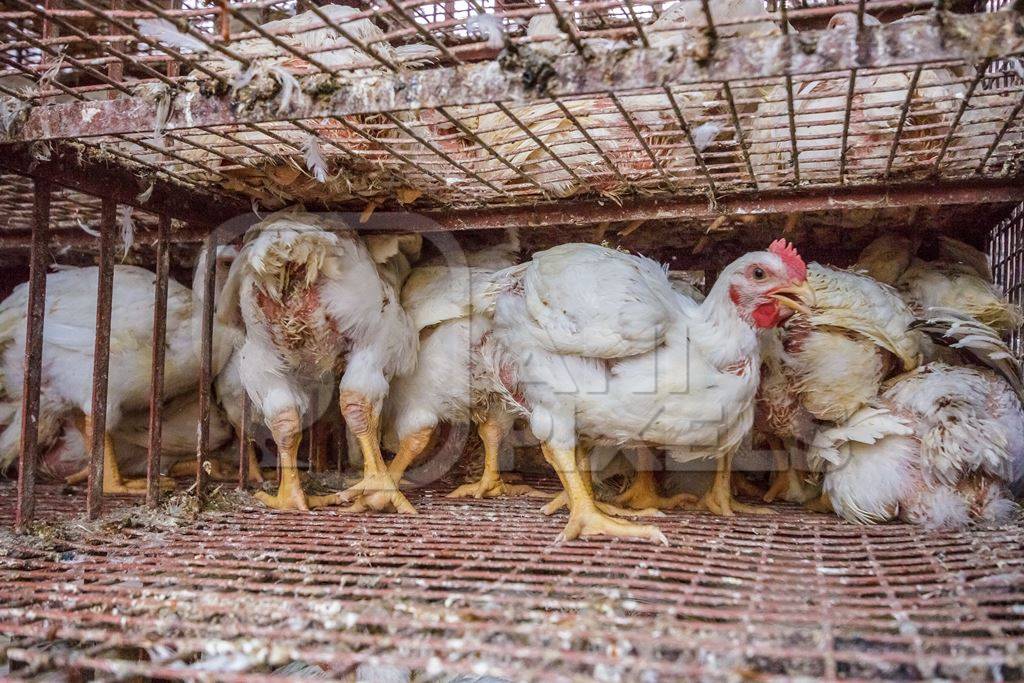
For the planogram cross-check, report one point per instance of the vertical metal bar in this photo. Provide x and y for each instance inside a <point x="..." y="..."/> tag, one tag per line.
<point x="911" y="88"/>
<point x="315" y="449"/>
<point x="49" y="30"/>
<point x="244" y="437"/>
<point x="101" y="359"/>
<point x="34" y="316"/>
<point x="206" y="364"/>
<point x="173" y="66"/>
<point x="115" y="69"/>
<point x="156" y="389"/>
<point x="850" y="90"/>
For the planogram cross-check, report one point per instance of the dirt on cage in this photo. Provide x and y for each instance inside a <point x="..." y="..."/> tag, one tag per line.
<point x="471" y="589"/>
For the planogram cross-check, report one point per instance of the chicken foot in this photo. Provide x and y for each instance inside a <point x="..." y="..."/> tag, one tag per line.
<point x="821" y="504"/>
<point x="377" y="489"/>
<point x="562" y="499"/>
<point x="643" y="491"/>
<point x="290" y="496"/>
<point x="585" y="516"/>
<point x="490" y="484"/>
<point x="719" y="498"/>
<point x="113" y="482"/>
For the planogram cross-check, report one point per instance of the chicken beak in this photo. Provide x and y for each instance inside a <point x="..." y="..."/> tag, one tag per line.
<point x="799" y="298"/>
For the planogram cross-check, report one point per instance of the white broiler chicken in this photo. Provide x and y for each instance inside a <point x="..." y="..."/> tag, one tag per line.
<point x="959" y="278"/>
<point x="447" y="385"/>
<point x="68" y="456"/>
<point x="313" y="301"/>
<point x="828" y="362"/>
<point x="940" y="447"/>
<point x="819" y="115"/>
<point x="857" y="334"/>
<point x="68" y="339"/>
<point x="593" y="344"/>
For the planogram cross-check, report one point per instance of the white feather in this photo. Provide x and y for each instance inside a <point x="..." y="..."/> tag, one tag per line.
<point x="289" y="87"/>
<point x="489" y="27"/>
<point x="705" y="134"/>
<point x="127" y="225"/>
<point x="314" y="158"/>
<point x="166" y="32"/>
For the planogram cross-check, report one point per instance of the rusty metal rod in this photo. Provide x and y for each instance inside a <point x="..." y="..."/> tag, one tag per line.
<point x="911" y="87"/>
<point x="156" y="374"/>
<point x="206" y="363"/>
<point x="964" y="103"/>
<point x="34" y="318"/>
<point x="999" y="136"/>
<point x="850" y="90"/>
<point x="244" y="441"/>
<point x="97" y="418"/>
<point x="741" y="140"/>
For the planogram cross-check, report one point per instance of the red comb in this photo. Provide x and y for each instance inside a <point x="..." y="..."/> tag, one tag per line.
<point x="788" y="253"/>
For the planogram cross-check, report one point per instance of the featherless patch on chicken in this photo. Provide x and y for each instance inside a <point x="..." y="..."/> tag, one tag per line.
<point x="595" y="346"/>
<point x="309" y="298"/>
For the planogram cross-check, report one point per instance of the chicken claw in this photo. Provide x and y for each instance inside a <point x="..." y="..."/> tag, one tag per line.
<point x="376" y="492"/>
<point x="821" y="504"/>
<point x="593" y="522"/>
<point x="643" y="495"/>
<point x="495" y="487"/>
<point x="561" y="500"/>
<point x="290" y="496"/>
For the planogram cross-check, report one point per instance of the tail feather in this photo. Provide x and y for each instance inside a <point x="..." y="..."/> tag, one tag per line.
<point x="286" y="246"/>
<point x="975" y="340"/>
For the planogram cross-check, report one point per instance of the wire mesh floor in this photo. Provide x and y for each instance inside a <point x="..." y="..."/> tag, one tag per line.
<point x="473" y="589"/>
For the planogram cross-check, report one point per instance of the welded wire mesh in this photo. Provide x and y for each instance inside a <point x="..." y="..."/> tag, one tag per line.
<point x="480" y="589"/>
<point x="823" y="128"/>
<point x="1006" y="253"/>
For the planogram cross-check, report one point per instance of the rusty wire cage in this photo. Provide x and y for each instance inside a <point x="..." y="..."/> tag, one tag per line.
<point x="595" y="126"/>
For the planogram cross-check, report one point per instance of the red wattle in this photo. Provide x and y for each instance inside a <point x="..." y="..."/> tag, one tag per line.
<point x="767" y="315"/>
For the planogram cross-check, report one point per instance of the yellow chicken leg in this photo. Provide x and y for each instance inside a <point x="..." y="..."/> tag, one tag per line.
<point x="562" y="499"/>
<point x="410" y="448"/>
<point x="377" y="490"/>
<point x="290" y="496"/>
<point x="719" y="498"/>
<point x="491" y="484"/>
<point x="113" y="482"/>
<point x="643" y="491"/>
<point x="585" y="517"/>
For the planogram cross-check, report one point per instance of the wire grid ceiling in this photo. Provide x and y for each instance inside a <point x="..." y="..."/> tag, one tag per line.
<point x="948" y="120"/>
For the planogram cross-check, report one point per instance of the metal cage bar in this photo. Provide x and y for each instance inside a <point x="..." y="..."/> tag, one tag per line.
<point x="156" y="375"/>
<point x="28" y="453"/>
<point x="206" y="362"/>
<point x="96" y="421"/>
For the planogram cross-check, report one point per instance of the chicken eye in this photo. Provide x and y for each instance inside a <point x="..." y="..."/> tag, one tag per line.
<point x="758" y="273"/>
